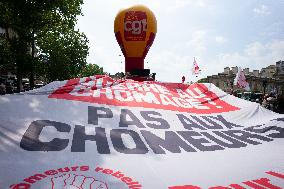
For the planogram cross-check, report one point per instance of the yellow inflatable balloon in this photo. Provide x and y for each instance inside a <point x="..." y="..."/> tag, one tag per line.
<point x="135" y="29"/>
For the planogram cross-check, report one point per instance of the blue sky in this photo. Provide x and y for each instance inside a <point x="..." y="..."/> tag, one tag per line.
<point x="219" y="33"/>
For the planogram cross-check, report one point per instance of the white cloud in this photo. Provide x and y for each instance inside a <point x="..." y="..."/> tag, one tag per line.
<point x="220" y="39"/>
<point x="200" y="3"/>
<point x="170" y="66"/>
<point x="255" y="49"/>
<point x="256" y="55"/>
<point x="174" y="5"/>
<point x="177" y="4"/>
<point x="183" y="33"/>
<point x="261" y="10"/>
<point x="173" y="63"/>
<point x="272" y="29"/>
<point x="197" y="42"/>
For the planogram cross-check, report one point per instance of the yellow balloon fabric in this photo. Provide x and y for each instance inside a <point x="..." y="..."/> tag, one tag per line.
<point x="136" y="26"/>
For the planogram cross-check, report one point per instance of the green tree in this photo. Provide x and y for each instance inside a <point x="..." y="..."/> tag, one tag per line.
<point x="5" y="52"/>
<point x="203" y="80"/>
<point x="46" y="42"/>
<point x="63" y="54"/>
<point x="91" y="69"/>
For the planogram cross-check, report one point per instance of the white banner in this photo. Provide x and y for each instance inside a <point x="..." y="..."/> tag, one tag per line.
<point x="97" y="133"/>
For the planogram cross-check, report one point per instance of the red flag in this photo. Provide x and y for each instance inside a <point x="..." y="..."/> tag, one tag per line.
<point x="196" y="69"/>
<point x="240" y="80"/>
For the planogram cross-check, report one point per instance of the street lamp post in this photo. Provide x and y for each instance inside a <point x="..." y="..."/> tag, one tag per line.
<point x="264" y="84"/>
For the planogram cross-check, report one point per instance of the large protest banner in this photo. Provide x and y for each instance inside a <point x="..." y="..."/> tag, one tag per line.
<point x="100" y="133"/>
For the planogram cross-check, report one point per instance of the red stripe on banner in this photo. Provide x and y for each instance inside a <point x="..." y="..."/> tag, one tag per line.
<point x="185" y="187"/>
<point x="195" y="98"/>
<point x="276" y="174"/>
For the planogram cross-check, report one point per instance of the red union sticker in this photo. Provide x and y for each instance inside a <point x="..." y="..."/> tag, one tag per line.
<point x="195" y="98"/>
<point x="135" y="26"/>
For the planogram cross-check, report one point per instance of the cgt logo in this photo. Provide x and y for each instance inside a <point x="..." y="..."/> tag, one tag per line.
<point x="135" y="26"/>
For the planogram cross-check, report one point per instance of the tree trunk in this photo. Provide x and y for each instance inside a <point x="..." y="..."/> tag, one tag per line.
<point x="32" y="63"/>
<point x="19" y="81"/>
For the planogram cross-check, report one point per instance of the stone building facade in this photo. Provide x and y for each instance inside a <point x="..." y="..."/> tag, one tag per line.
<point x="269" y="79"/>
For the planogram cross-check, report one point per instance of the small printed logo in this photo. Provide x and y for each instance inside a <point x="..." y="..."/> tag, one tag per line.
<point x="73" y="181"/>
<point x="135" y="26"/>
<point x="75" y="178"/>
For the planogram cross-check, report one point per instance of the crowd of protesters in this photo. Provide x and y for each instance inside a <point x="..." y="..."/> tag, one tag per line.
<point x="273" y="102"/>
<point x="9" y="87"/>
<point x="269" y="101"/>
<point x="6" y="88"/>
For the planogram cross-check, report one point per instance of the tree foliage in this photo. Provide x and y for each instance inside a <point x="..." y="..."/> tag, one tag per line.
<point x="44" y="41"/>
<point x="63" y="54"/>
<point x="203" y="80"/>
<point x="91" y="69"/>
